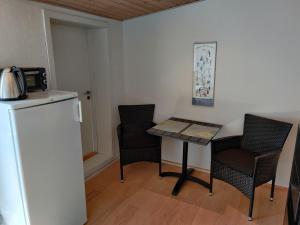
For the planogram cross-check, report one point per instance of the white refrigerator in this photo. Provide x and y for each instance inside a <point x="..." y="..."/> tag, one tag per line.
<point x="41" y="167"/>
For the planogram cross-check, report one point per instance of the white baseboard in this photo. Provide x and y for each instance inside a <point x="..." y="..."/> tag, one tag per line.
<point x="100" y="168"/>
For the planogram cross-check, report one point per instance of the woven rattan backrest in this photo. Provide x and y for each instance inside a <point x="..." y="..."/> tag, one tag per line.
<point x="263" y="135"/>
<point x="136" y="114"/>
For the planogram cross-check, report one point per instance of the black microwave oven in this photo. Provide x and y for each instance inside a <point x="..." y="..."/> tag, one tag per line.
<point x="36" y="79"/>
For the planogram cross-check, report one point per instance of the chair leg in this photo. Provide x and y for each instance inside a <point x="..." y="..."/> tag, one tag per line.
<point x="121" y="169"/>
<point x="211" y="184"/>
<point x="251" y="205"/>
<point x="159" y="168"/>
<point x="272" y="189"/>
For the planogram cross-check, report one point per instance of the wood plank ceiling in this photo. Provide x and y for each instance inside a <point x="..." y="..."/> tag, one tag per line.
<point x="119" y="9"/>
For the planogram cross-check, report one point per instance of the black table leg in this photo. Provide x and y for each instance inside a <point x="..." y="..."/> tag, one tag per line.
<point x="185" y="173"/>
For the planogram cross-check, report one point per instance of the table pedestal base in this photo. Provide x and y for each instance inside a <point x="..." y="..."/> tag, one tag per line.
<point x="185" y="174"/>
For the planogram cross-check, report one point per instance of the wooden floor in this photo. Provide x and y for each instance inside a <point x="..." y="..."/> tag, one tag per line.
<point x="145" y="199"/>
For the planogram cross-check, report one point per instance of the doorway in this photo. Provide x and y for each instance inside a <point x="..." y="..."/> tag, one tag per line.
<point x="71" y="50"/>
<point x="97" y="77"/>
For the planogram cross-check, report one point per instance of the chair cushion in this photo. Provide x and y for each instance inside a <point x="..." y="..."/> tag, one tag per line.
<point x="237" y="159"/>
<point x="140" y="140"/>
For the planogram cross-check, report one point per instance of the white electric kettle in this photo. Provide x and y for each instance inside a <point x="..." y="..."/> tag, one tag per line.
<point x="12" y="84"/>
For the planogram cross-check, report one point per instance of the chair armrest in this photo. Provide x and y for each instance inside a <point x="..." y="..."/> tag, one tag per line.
<point x="158" y="137"/>
<point x="225" y="143"/>
<point x="265" y="166"/>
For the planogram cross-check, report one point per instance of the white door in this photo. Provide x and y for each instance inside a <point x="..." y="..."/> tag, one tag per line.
<point x="71" y="57"/>
<point x="49" y="153"/>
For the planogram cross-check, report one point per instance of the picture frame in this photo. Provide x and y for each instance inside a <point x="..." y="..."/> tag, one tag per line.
<point x="204" y="72"/>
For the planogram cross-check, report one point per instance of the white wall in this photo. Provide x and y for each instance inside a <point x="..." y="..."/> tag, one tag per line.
<point x="257" y="62"/>
<point x="22" y="39"/>
<point x="23" y="43"/>
<point x="257" y="67"/>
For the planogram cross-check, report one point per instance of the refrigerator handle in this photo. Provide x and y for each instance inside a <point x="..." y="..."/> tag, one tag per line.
<point x="80" y="111"/>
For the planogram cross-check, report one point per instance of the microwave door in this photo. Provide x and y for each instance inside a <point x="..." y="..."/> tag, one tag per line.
<point x="31" y="82"/>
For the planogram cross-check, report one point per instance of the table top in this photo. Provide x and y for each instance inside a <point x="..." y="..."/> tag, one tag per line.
<point x="187" y="130"/>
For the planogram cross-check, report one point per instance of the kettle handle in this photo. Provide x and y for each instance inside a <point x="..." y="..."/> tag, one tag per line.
<point x="21" y="80"/>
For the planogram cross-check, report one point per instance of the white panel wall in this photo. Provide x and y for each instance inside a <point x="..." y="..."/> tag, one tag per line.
<point x="257" y="67"/>
<point x="22" y="43"/>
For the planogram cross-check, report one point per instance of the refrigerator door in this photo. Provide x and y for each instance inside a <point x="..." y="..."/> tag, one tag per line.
<point x="49" y="154"/>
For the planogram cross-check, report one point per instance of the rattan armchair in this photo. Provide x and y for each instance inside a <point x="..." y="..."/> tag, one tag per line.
<point x="135" y="143"/>
<point x="249" y="160"/>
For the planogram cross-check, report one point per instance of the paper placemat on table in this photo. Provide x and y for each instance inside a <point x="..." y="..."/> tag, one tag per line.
<point x="171" y="126"/>
<point x="199" y="131"/>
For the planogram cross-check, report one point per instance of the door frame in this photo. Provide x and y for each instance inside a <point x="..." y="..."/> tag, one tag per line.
<point x="80" y="20"/>
<point x="93" y="164"/>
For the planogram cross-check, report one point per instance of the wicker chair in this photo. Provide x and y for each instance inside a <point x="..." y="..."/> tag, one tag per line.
<point x="135" y="143"/>
<point x="249" y="160"/>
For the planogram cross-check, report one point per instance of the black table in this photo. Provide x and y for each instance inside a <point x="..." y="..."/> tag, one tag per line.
<point x="188" y="131"/>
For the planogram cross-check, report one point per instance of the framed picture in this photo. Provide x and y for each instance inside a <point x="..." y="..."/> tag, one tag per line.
<point x="204" y="73"/>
